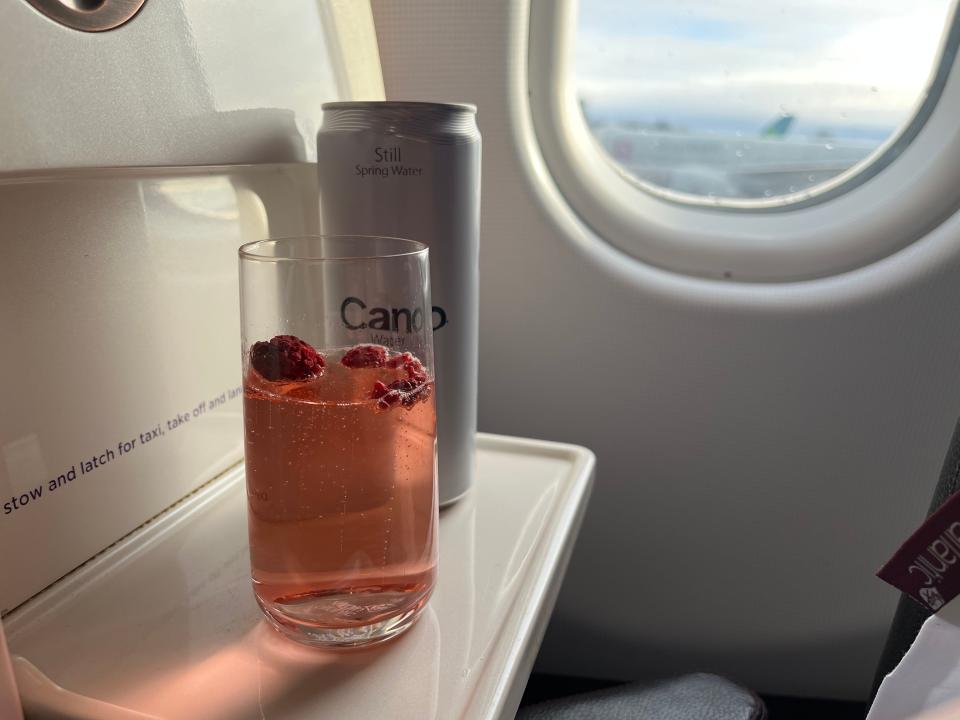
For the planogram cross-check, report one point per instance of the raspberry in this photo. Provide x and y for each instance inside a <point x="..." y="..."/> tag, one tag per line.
<point x="415" y="371"/>
<point x="405" y="392"/>
<point x="286" y="357"/>
<point x="412" y="366"/>
<point x="422" y="393"/>
<point x="398" y="360"/>
<point x="365" y="356"/>
<point x="388" y="397"/>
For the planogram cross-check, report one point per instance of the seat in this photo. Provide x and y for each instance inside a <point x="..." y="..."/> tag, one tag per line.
<point x="711" y="697"/>
<point x="699" y="696"/>
<point x="910" y="615"/>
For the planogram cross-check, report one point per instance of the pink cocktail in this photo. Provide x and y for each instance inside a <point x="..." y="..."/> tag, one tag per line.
<point x="340" y="446"/>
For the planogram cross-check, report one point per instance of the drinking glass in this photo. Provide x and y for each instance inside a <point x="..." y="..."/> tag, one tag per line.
<point x="340" y="434"/>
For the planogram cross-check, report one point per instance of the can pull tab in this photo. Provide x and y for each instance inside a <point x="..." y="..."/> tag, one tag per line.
<point x="89" y="15"/>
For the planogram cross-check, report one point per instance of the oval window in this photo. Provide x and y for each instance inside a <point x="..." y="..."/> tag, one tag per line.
<point x="707" y="101"/>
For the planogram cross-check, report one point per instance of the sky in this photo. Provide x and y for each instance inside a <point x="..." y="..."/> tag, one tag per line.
<point x="843" y="66"/>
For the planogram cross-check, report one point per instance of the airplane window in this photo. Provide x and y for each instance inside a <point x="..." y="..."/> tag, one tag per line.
<point x="733" y="99"/>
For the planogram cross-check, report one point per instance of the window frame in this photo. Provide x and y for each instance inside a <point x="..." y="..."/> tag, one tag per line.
<point x="872" y="211"/>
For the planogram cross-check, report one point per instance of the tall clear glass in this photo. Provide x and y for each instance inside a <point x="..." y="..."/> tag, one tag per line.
<point x="340" y="434"/>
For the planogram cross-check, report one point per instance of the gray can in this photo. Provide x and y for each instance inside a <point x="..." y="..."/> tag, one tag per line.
<point x="412" y="170"/>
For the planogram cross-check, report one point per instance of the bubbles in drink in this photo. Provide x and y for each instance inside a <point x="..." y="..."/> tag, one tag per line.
<point x="340" y="479"/>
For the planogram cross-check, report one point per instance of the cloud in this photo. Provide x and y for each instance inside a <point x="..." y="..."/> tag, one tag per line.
<point x="832" y="62"/>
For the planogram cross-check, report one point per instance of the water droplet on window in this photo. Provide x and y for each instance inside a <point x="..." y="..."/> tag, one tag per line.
<point x="767" y="193"/>
<point x="739" y="153"/>
<point x="793" y="188"/>
<point x="811" y="178"/>
<point x="874" y="88"/>
<point x="828" y="146"/>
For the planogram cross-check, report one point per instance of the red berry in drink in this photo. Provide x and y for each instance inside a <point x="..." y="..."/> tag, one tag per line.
<point x="286" y="357"/>
<point x="411" y="365"/>
<point x="365" y="356"/>
<point x="397" y="361"/>
<point x="399" y="392"/>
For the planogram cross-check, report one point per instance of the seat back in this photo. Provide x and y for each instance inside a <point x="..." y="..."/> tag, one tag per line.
<point x="910" y="615"/>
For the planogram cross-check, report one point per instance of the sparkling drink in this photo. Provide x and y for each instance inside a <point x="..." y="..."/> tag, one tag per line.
<point x="340" y="435"/>
<point x="341" y="494"/>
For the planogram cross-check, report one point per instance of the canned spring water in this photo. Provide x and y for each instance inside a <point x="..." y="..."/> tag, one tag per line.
<point x="412" y="170"/>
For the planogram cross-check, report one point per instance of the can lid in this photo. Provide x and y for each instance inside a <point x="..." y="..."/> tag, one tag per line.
<point x="397" y="104"/>
<point x="440" y="123"/>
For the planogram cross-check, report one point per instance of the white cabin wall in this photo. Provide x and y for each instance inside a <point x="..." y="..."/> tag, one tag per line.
<point x="133" y="164"/>
<point x="762" y="450"/>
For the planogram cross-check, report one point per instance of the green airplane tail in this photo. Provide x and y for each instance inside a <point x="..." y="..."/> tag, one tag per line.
<point x="779" y="127"/>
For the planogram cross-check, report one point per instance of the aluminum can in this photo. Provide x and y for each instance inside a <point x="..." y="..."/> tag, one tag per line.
<point x="412" y="170"/>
